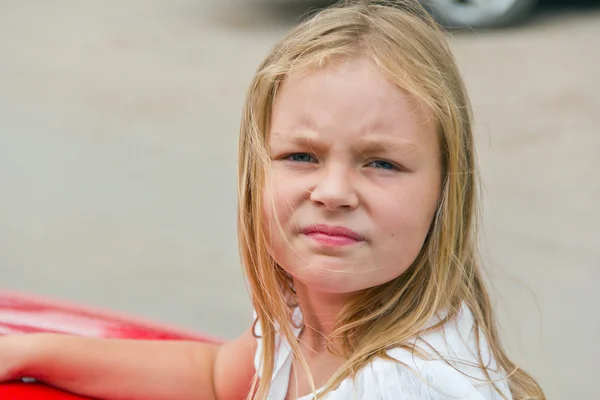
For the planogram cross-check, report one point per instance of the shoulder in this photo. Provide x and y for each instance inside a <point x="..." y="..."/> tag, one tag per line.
<point x="447" y="367"/>
<point x="416" y="380"/>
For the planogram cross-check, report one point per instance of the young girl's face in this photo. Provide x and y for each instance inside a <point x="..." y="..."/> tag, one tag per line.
<point x="355" y="177"/>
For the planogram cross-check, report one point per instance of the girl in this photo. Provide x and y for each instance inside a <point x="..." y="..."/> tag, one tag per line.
<point x="357" y="209"/>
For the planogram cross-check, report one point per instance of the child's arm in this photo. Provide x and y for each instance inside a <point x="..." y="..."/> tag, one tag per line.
<point x="132" y="369"/>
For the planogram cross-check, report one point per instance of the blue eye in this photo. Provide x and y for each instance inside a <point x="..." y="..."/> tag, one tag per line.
<point x="380" y="164"/>
<point x="301" y="157"/>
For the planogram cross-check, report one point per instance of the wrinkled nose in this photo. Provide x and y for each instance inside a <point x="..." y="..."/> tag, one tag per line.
<point x="335" y="190"/>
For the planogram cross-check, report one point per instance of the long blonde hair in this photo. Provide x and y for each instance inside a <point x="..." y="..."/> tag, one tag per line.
<point x="410" y="49"/>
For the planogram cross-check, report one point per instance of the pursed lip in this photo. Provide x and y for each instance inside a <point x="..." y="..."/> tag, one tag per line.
<point x="332" y="231"/>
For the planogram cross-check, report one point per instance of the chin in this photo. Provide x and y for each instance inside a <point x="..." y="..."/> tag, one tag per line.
<point x="330" y="278"/>
<point x="330" y="286"/>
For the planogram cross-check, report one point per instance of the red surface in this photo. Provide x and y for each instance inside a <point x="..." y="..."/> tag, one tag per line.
<point x="30" y="391"/>
<point x="25" y="314"/>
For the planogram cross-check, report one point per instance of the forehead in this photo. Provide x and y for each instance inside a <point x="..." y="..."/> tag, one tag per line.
<point x="349" y="98"/>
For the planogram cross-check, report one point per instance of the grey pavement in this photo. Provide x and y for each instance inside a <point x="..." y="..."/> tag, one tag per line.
<point x="118" y="130"/>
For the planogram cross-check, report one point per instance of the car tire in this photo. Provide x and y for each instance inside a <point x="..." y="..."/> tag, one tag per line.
<point x="460" y="14"/>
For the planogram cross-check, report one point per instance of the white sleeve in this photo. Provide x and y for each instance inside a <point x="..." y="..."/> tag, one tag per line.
<point x="424" y="380"/>
<point x="451" y="371"/>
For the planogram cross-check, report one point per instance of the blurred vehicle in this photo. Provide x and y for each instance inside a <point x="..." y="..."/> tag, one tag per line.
<point x="25" y="314"/>
<point x="454" y="13"/>
<point x="479" y="13"/>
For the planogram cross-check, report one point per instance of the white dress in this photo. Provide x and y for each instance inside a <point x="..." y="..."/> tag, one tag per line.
<point x="431" y="379"/>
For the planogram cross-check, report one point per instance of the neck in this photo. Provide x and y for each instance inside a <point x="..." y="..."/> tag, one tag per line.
<point x="320" y="311"/>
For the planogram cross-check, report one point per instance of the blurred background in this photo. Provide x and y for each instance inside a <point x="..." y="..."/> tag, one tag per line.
<point x="118" y="135"/>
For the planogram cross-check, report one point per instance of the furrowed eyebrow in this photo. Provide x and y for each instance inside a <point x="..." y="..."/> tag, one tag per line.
<point x="372" y="145"/>
<point x="303" y="139"/>
<point x="363" y="145"/>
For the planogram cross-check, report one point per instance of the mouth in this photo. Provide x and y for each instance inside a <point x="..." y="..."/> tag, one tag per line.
<point x="332" y="235"/>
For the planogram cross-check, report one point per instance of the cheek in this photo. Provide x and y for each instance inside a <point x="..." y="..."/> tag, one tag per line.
<point x="408" y="209"/>
<point x="278" y="206"/>
<point x="404" y="223"/>
<point x="283" y="195"/>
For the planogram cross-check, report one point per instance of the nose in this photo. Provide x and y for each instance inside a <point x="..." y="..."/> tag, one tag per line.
<point x="334" y="189"/>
